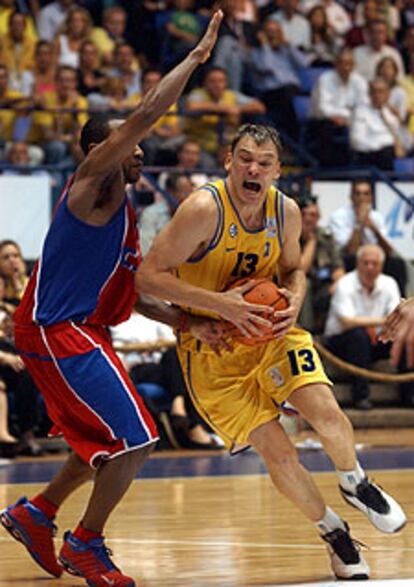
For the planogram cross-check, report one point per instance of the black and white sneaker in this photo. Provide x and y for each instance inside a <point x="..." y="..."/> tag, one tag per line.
<point x="381" y="509"/>
<point x="347" y="561"/>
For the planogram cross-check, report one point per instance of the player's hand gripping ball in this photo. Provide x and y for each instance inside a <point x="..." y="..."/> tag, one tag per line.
<point x="264" y="292"/>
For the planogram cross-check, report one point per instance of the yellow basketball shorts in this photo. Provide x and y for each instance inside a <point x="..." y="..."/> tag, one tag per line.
<point x="241" y="390"/>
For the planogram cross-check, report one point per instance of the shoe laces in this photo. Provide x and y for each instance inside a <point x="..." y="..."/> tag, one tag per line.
<point x="103" y="553"/>
<point x="371" y="496"/>
<point x="346" y="547"/>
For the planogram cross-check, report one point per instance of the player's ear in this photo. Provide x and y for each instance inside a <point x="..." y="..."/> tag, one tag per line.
<point x="227" y="161"/>
<point x="278" y="170"/>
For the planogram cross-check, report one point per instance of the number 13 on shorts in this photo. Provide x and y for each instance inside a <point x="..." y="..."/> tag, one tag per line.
<point x="301" y="361"/>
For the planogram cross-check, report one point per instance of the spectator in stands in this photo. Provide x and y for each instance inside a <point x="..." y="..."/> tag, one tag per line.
<point x="51" y="18"/>
<point x="13" y="269"/>
<point x="334" y="97"/>
<point x="91" y="78"/>
<point x="360" y="304"/>
<point x="226" y="108"/>
<point x="387" y="69"/>
<point x="407" y="48"/>
<point x="338" y="18"/>
<point x="42" y="77"/>
<point x="368" y="56"/>
<point x="407" y="15"/>
<point x="235" y="38"/>
<point x="113" y="96"/>
<point x="275" y="69"/>
<point x="6" y="359"/>
<point x="321" y="261"/>
<point x="358" y="34"/>
<point x="324" y="44"/>
<point x="126" y="67"/>
<point x="357" y="224"/>
<point x="8" y="99"/>
<point x="189" y="161"/>
<point x="182" y="31"/>
<point x="166" y="135"/>
<point x="6" y="9"/>
<point x="385" y="11"/>
<point x="56" y="130"/>
<point x="153" y="218"/>
<point x="110" y="34"/>
<point x="407" y="83"/>
<point x="376" y="134"/>
<point x="296" y="28"/>
<point x="18" y="156"/>
<point x="17" y="50"/>
<point x="78" y="25"/>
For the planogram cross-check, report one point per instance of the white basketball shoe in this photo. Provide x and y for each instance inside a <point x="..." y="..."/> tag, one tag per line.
<point x="347" y="561"/>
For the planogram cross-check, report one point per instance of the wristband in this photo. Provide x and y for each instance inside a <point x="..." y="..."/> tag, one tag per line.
<point x="183" y="323"/>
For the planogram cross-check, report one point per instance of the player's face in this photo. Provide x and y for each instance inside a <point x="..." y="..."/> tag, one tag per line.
<point x="252" y="169"/>
<point x="132" y="166"/>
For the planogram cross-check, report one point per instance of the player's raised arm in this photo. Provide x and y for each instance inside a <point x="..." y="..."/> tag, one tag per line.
<point x="109" y="154"/>
<point x="188" y="234"/>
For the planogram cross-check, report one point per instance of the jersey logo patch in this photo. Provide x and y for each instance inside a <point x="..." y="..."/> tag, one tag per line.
<point x="129" y="259"/>
<point x="271" y="227"/>
<point x="233" y="231"/>
<point x="276" y="376"/>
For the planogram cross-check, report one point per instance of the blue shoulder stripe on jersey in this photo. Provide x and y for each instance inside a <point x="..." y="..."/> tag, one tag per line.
<point x="239" y="218"/>
<point x="220" y="224"/>
<point x="279" y="216"/>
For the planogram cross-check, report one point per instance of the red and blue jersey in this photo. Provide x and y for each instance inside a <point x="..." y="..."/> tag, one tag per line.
<point x="85" y="272"/>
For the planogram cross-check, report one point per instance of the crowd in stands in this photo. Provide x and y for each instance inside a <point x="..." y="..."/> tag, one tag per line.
<point x="336" y="77"/>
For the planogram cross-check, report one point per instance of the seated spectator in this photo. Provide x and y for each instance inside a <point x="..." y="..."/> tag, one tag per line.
<point x="407" y="83"/>
<point x="126" y="67"/>
<point x="189" y="161"/>
<point x="6" y="359"/>
<point x="8" y="100"/>
<point x="6" y="9"/>
<point x="296" y="28"/>
<point x="360" y="304"/>
<point x="375" y="131"/>
<point x="357" y="224"/>
<point x="17" y="50"/>
<point x="387" y="69"/>
<point x="161" y="144"/>
<point x="65" y="112"/>
<point x="385" y="11"/>
<point x="113" y="96"/>
<point x="225" y="109"/>
<point x="358" y="34"/>
<point x="182" y="31"/>
<point x="18" y="155"/>
<point x="41" y="78"/>
<point x="110" y="34"/>
<point x="181" y="423"/>
<point x="13" y="270"/>
<point x="235" y="37"/>
<point x="338" y="18"/>
<point x="77" y="29"/>
<point x="324" y="44"/>
<point x="368" y="56"/>
<point x="322" y="262"/>
<point x="407" y="48"/>
<point x="51" y="18"/>
<point x="157" y="215"/>
<point x="275" y="68"/>
<point x="91" y="78"/>
<point x="334" y="97"/>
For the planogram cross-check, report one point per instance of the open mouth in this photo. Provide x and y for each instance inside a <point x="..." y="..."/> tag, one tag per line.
<point x="252" y="186"/>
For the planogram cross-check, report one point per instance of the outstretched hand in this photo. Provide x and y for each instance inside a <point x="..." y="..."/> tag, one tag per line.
<point x="207" y="42"/>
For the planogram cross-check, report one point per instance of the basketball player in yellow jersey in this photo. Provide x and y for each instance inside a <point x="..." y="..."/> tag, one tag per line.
<point x="244" y="227"/>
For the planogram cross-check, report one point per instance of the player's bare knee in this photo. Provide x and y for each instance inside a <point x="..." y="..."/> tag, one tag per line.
<point x="332" y="422"/>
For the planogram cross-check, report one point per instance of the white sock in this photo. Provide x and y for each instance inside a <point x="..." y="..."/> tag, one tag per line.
<point x="330" y="522"/>
<point x="350" y="479"/>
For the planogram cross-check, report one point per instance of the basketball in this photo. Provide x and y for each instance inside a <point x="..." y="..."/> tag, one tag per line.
<point x="266" y="293"/>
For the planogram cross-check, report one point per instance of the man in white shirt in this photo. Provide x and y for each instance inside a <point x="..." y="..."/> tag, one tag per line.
<point x="296" y="27"/>
<point x="359" y="307"/>
<point x="369" y="55"/>
<point x="375" y="131"/>
<point x="52" y="17"/>
<point x="357" y="224"/>
<point x="334" y="97"/>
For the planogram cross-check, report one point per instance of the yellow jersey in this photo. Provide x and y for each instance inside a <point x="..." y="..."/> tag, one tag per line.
<point x="235" y="251"/>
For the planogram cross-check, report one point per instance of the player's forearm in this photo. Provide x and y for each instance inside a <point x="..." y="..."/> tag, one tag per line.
<point x="165" y="286"/>
<point x="361" y="322"/>
<point x="294" y="281"/>
<point x="158" y="310"/>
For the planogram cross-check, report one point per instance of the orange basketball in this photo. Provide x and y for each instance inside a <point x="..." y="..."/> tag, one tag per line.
<point x="263" y="292"/>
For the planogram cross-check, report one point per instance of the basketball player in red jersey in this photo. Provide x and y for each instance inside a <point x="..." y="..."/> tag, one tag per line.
<point x="84" y="282"/>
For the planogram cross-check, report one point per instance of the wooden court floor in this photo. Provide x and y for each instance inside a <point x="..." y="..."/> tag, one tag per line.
<point x="228" y="530"/>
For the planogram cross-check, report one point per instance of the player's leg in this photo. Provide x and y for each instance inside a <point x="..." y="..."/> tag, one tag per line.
<point x="84" y="552"/>
<point x="292" y="479"/>
<point x="319" y="407"/>
<point x="31" y="521"/>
